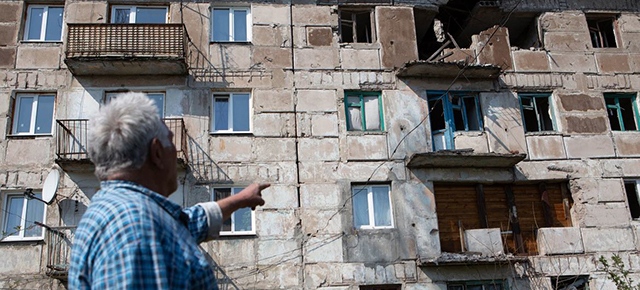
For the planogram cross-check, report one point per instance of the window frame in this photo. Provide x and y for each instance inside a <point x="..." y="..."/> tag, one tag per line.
<point x="34" y="115"/>
<point x="253" y="214"/>
<point x="230" y="113"/>
<point x="533" y="97"/>
<point x="133" y="13"/>
<point x="43" y="28"/>
<point x="109" y="95"/>
<point x="362" y="94"/>
<point x="617" y="97"/>
<point x="354" y="28"/>
<point x="371" y="208"/>
<point x="483" y="283"/>
<point x="249" y="23"/>
<point x="449" y="119"/>
<point x="614" y="25"/>
<point x="23" y="218"/>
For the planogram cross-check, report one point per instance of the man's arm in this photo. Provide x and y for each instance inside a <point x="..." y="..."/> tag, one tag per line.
<point x="205" y="219"/>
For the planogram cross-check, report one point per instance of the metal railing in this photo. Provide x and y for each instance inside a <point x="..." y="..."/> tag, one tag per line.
<point x="59" y="241"/>
<point x="71" y="138"/>
<point x="126" y="40"/>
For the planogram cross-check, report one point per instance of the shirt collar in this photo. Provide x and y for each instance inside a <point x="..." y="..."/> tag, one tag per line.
<point x="171" y="207"/>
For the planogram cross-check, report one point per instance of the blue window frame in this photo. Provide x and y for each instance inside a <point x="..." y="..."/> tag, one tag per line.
<point x="451" y="112"/>
<point x="363" y="111"/>
<point x="537" y="112"/>
<point x="622" y="111"/>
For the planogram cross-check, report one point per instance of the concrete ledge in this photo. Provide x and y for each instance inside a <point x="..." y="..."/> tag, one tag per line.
<point x="557" y="241"/>
<point x="608" y="240"/>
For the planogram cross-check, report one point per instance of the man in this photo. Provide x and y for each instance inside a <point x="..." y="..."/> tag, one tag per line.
<point x="132" y="236"/>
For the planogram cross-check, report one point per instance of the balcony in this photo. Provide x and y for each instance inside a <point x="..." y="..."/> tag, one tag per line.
<point x="127" y="49"/>
<point x="58" y="241"/>
<point x="72" y="136"/>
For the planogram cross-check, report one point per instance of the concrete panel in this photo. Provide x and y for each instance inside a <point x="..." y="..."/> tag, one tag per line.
<point x="634" y="62"/>
<point x="589" y="146"/>
<point x="29" y="152"/>
<point x="628" y="22"/>
<point x="600" y="215"/>
<point x="8" y="34"/>
<point x="399" y="44"/>
<point x="626" y="144"/>
<point x="567" y="41"/>
<point x="488" y="242"/>
<point x="324" y="249"/>
<point x="233" y="148"/>
<point x="318" y="149"/>
<point x="605" y="240"/>
<point x="11" y="11"/>
<point x="408" y="111"/>
<point x="230" y="56"/>
<point x="471" y="140"/>
<point x="280" y="223"/>
<point x="267" y="35"/>
<point x="321" y="195"/>
<point x="274" y="251"/>
<point x="270" y="14"/>
<point x="273" y="125"/>
<point x="321" y="221"/>
<point x="316" y="59"/>
<point x="236" y="252"/>
<point x="581" y="102"/>
<point x="545" y="147"/>
<point x="365" y="147"/>
<point x="86" y="12"/>
<point x="325" y="125"/>
<point x="314" y="15"/>
<point x="317" y="100"/>
<point x="272" y="57"/>
<point x="503" y="122"/>
<point x="631" y="41"/>
<point x="584" y="124"/>
<point x="274" y="149"/>
<point x="526" y="60"/>
<point x="554" y="241"/>
<point x="595" y="190"/>
<point x="279" y="196"/>
<point x="493" y="48"/>
<point x="38" y="57"/>
<point x="7" y="57"/>
<point x="613" y="63"/>
<point x="360" y="58"/>
<point x="20" y="259"/>
<point x="563" y="21"/>
<point x="194" y="16"/>
<point x="572" y="62"/>
<point x="319" y="36"/>
<point x="266" y="100"/>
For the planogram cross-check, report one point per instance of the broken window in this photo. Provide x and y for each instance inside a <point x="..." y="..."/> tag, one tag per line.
<point x="231" y="24"/>
<point x="602" y="30"/>
<point x="33" y="114"/>
<point x="479" y="206"/>
<point x="364" y="111"/>
<point x="242" y="221"/>
<point x="631" y="188"/>
<point x="356" y="25"/>
<point x="450" y="112"/>
<point x="139" y="14"/>
<point x="231" y="113"/>
<point x="477" y="285"/>
<point x="20" y="215"/>
<point x="372" y="207"/>
<point x="44" y="23"/>
<point x="536" y="112"/>
<point x="622" y="111"/>
<point x="570" y="283"/>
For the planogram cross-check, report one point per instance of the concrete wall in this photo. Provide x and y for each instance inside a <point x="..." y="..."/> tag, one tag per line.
<point x="297" y="73"/>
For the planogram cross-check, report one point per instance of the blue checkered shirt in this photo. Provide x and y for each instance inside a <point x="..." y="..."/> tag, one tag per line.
<point x="133" y="238"/>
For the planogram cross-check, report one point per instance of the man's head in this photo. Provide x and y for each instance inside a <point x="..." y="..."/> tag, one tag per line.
<point x="128" y="140"/>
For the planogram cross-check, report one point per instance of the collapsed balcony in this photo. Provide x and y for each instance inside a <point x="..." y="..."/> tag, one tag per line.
<point x="72" y="142"/>
<point x="127" y="49"/>
<point x="58" y="241"/>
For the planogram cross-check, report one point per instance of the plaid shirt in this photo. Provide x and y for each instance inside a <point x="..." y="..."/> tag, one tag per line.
<point x="133" y="238"/>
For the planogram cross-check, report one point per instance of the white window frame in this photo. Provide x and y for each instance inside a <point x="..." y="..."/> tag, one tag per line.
<point x="43" y="29"/>
<point x="253" y="214"/>
<point x="133" y="10"/>
<point x="34" y="111"/>
<point x="230" y="113"/>
<point x="369" y="190"/>
<point x="109" y="95"/>
<point x="23" y="218"/>
<point x="231" y="23"/>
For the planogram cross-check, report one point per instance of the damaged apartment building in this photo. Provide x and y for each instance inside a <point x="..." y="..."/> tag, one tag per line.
<point x="410" y="144"/>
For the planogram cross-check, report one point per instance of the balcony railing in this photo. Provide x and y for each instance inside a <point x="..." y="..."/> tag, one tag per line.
<point x="71" y="139"/>
<point x="58" y="241"/>
<point x="98" y="49"/>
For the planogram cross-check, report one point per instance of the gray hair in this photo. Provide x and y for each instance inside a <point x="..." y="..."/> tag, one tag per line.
<point x="121" y="132"/>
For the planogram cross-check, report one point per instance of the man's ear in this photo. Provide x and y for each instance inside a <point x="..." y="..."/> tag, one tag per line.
<point x="156" y="153"/>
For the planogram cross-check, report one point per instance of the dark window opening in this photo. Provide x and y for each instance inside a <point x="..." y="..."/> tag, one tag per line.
<point x="602" y="31"/>
<point x="621" y="110"/>
<point x="381" y="287"/>
<point x="356" y="26"/>
<point x="477" y="285"/>
<point x="631" y="189"/>
<point x="570" y="283"/>
<point x="437" y="115"/>
<point x="536" y="113"/>
<point x="523" y="32"/>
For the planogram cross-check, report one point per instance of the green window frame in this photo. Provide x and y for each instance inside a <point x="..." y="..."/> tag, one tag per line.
<point x="532" y="103"/>
<point x="619" y="118"/>
<point x="360" y="104"/>
<point x="478" y="285"/>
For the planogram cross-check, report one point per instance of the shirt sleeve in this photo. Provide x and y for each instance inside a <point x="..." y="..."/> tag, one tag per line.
<point x="205" y="220"/>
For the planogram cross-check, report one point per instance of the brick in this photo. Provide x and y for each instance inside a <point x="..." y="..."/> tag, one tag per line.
<point x="318" y="149"/>
<point x="605" y="240"/>
<point x="316" y="58"/>
<point x="272" y="57"/>
<point x="319" y="36"/>
<point x="360" y="58"/>
<point x="526" y="60"/>
<point x="366" y="147"/>
<point x="317" y="100"/>
<point x="553" y="241"/>
<point x="613" y="63"/>
<point x="545" y="147"/>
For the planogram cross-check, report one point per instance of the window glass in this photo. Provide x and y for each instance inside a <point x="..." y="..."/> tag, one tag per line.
<point x="44" y="114"/>
<point x="13" y="216"/>
<point x="35" y="23"/>
<point x="121" y="15"/>
<point x="240" y="25"/>
<point x="381" y="206"/>
<point x="54" y="24"/>
<point x="156" y="15"/>
<point x="372" y="112"/>
<point x="218" y="194"/>
<point x="221" y="111"/>
<point x="35" y="213"/>
<point x="628" y="116"/>
<point x="242" y="217"/>
<point x="25" y="105"/>
<point x="158" y="99"/>
<point x="241" y="112"/>
<point x="221" y="25"/>
<point x="360" y="207"/>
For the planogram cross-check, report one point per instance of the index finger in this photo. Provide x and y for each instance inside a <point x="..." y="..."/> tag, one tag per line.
<point x="262" y="186"/>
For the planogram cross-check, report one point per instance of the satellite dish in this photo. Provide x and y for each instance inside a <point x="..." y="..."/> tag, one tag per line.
<point x="50" y="186"/>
